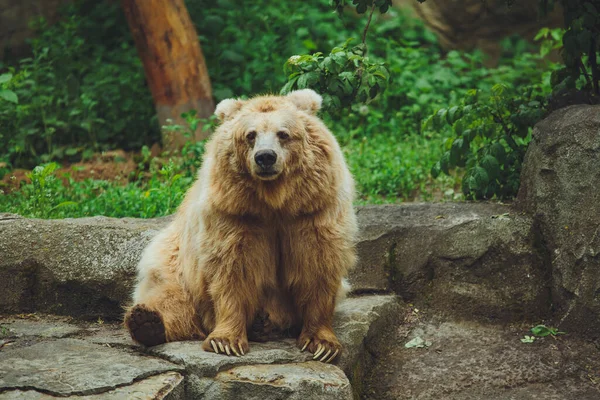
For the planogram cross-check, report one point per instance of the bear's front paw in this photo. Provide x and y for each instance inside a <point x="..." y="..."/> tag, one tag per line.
<point x="324" y="345"/>
<point x="226" y="344"/>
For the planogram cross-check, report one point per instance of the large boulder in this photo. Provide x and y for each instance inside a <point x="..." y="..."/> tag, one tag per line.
<point x="79" y="267"/>
<point x="559" y="188"/>
<point x="473" y="260"/>
<point x="469" y="24"/>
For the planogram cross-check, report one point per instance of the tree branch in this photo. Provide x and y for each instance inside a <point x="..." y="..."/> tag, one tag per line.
<point x="364" y="36"/>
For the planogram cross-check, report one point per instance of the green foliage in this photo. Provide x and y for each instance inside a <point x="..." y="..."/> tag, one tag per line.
<point x="491" y="133"/>
<point x="52" y="195"/>
<point x="5" y="93"/>
<point x="363" y="5"/>
<point x="82" y="89"/>
<point x="192" y="151"/>
<point x="345" y="77"/>
<point x="492" y="129"/>
<point x="91" y="67"/>
<point x="246" y="43"/>
<point x="581" y="45"/>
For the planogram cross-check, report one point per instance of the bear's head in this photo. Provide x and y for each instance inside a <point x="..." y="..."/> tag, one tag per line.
<point x="272" y="153"/>
<point x="269" y="133"/>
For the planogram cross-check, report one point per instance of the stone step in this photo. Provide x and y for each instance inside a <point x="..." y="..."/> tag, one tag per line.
<point x="45" y="355"/>
<point x="467" y="259"/>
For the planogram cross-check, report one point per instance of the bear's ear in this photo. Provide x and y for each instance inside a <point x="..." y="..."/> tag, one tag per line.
<point x="227" y="108"/>
<point x="306" y="100"/>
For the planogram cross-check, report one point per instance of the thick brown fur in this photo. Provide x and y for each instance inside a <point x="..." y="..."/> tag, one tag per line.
<point x="242" y="246"/>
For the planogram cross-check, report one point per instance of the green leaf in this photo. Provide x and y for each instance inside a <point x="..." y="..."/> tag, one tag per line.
<point x="439" y="118"/>
<point x="64" y="204"/>
<point x="491" y="166"/>
<point x="436" y="169"/>
<point x="480" y="178"/>
<point x="498" y="151"/>
<point x="543" y="331"/>
<point x="528" y="339"/>
<point x="5" y="77"/>
<point x="456" y="152"/>
<point x="445" y="163"/>
<point x="9" y="95"/>
<point x="289" y="86"/>
<point x="453" y="114"/>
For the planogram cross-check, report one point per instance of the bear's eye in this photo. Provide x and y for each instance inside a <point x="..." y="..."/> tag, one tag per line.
<point x="283" y="135"/>
<point x="251" y="135"/>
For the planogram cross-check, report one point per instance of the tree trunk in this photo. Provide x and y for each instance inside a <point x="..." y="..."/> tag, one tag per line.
<point x="168" y="45"/>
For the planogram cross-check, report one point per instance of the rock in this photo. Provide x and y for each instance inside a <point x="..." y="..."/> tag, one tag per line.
<point x="467" y="259"/>
<point x="470" y="24"/>
<point x="310" y="380"/>
<point x="357" y="321"/>
<point x="167" y="386"/>
<point x="469" y="360"/>
<point x="98" y="359"/>
<point x="559" y="188"/>
<point x="51" y="327"/>
<point x="74" y="367"/>
<point x="79" y="267"/>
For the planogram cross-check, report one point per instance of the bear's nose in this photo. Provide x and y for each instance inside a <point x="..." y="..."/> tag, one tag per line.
<point x="265" y="158"/>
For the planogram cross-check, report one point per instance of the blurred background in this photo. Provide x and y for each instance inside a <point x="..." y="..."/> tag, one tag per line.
<point x="104" y="105"/>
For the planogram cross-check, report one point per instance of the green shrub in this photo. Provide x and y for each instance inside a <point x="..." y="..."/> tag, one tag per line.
<point x="81" y="90"/>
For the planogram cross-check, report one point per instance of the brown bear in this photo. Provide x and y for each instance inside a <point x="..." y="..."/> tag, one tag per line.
<point x="267" y="229"/>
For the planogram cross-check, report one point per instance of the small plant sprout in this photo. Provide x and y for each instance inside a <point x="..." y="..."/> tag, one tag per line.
<point x="528" y="339"/>
<point x="543" y="331"/>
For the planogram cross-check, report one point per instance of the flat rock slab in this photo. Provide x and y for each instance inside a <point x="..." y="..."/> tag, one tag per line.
<point x="74" y="367"/>
<point x="61" y="356"/>
<point x="310" y="380"/>
<point x="353" y="320"/>
<point x="471" y="361"/>
<point x="167" y="386"/>
<point x="32" y="325"/>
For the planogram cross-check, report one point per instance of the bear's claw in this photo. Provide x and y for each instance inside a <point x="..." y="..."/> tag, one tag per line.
<point x="224" y="346"/>
<point x="323" y="350"/>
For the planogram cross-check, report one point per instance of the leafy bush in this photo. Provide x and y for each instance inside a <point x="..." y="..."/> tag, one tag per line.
<point x="345" y="77"/>
<point x="581" y="45"/>
<point x="82" y="89"/>
<point x="246" y="45"/>
<point x="491" y="135"/>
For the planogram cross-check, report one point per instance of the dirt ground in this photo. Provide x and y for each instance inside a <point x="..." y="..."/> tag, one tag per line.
<point x="467" y="360"/>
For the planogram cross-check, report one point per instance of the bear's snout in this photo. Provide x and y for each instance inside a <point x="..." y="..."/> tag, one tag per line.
<point x="265" y="158"/>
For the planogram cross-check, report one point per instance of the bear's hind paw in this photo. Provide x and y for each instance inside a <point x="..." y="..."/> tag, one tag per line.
<point x="145" y="326"/>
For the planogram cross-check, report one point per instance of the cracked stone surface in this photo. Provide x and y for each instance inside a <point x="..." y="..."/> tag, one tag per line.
<point x="167" y="386"/>
<point x="472" y="260"/>
<point x="310" y="380"/>
<point x="353" y="319"/>
<point x="43" y="355"/>
<point x="559" y="187"/>
<point x="74" y="367"/>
